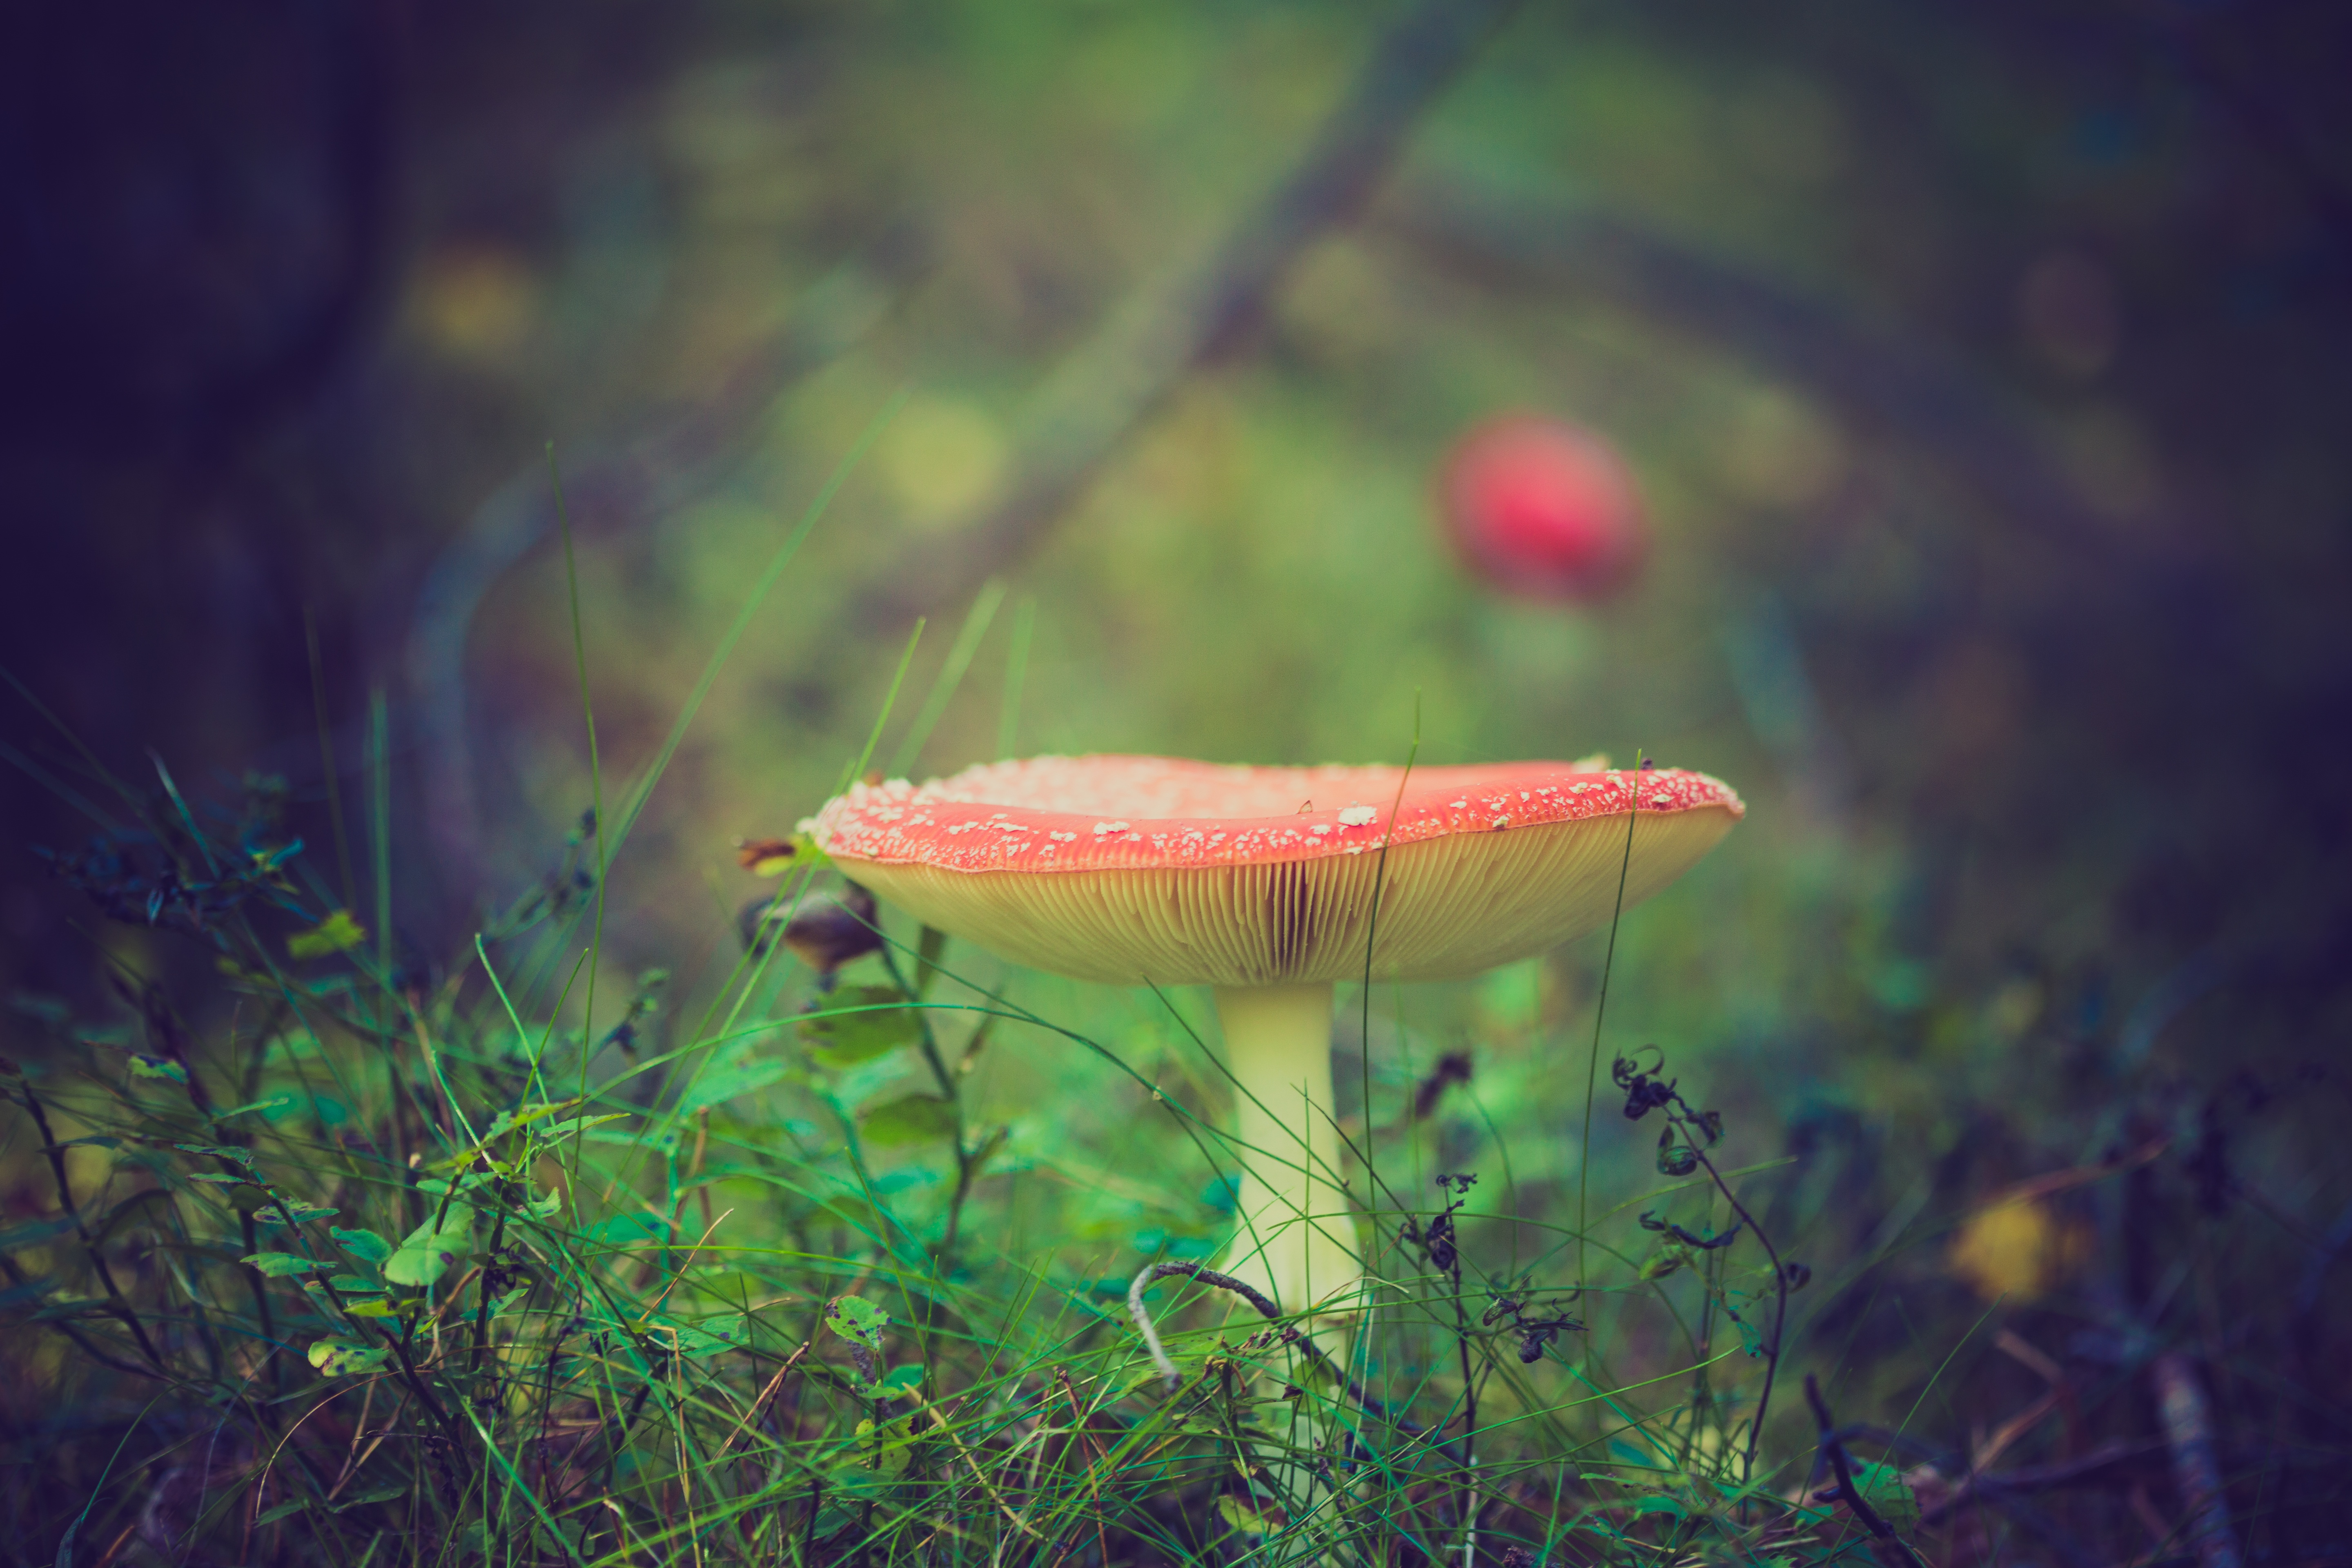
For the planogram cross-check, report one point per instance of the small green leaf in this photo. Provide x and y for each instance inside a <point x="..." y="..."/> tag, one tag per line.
<point x="546" y="1207"/>
<point x="1883" y="1487"/>
<point x="34" y="1233"/>
<point x="1242" y="1517"/>
<point x="356" y="1285"/>
<point x="262" y="1106"/>
<point x="693" y="1341"/>
<point x="364" y="1245"/>
<point x="629" y="1230"/>
<point x="142" y="1066"/>
<point x="1665" y="1261"/>
<point x="341" y="1357"/>
<point x="373" y="1307"/>
<point x="430" y="1250"/>
<point x="337" y="933"/>
<point x="858" y="1024"/>
<point x="282" y="1511"/>
<point x="856" y="1319"/>
<point x="219" y="1152"/>
<point x="902" y="1382"/>
<point x="510" y="1301"/>
<point x="910" y="1119"/>
<point x="283" y="1265"/>
<point x="303" y="1212"/>
<point x="1657" y="1502"/>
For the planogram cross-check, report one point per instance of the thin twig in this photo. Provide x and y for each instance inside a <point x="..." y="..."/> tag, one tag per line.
<point x="1890" y="1548"/>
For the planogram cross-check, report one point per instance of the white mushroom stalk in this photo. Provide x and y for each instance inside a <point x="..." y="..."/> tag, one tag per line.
<point x="1296" y="1237"/>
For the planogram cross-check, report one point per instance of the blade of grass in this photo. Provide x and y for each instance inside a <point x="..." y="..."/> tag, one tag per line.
<point x="1599" y="1013"/>
<point x="328" y="770"/>
<point x="1016" y="670"/>
<point x="768" y="579"/>
<point x="379" y="769"/>
<point x="595" y="765"/>
<point x="951" y="673"/>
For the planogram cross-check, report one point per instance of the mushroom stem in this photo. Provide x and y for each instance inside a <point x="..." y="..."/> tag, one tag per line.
<point x="1296" y="1240"/>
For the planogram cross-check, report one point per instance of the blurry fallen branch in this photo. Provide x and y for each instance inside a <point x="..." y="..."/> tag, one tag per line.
<point x="2115" y="1464"/>
<point x="1136" y="1309"/>
<point x="1889" y="1548"/>
<point x="2196" y="1468"/>
<point x="2042" y="1186"/>
<point x="1172" y="1377"/>
<point x="1150" y="344"/>
<point x="1871" y="379"/>
<point x="674" y="454"/>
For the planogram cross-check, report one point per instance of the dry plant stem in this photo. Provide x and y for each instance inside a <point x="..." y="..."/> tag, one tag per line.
<point x="1780" y="1313"/>
<point x="967" y="1162"/>
<point x="2188" y="1428"/>
<point x="114" y="1298"/>
<point x="1292" y="1213"/>
<point x="1886" y="1546"/>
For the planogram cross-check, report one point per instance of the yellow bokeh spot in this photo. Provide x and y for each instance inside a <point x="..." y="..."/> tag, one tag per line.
<point x="474" y="301"/>
<point x="2018" y="1250"/>
<point x="940" y="458"/>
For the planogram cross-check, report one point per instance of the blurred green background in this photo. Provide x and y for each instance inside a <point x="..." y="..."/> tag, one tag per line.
<point x="1983" y="370"/>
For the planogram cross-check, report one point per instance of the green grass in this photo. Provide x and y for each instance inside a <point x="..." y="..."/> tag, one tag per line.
<point x="423" y="1263"/>
<point x="376" y="1257"/>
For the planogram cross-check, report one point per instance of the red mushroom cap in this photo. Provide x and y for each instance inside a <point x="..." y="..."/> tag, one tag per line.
<point x="1542" y="509"/>
<point x="1126" y="868"/>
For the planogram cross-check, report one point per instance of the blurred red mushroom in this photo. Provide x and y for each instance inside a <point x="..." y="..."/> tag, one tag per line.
<point x="1542" y="509"/>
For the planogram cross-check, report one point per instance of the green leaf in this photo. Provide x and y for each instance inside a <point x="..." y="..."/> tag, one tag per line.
<point x="303" y="1212"/>
<point x="546" y="1207"/>
<point x="717" y="1085"/>
<point x="1883" y="1487"/>
<point x="1665" y="1261"/>
<point x="337" y="933"/>
<point x="510" y="1301"/>
<point x="143" y="1066"/>
<point x="356" y="1285"/>
<point x="854" y="1318"/>
<point x="903" y="1382"/>
<point x="862" y="1023"/>
<point x="262" y="1106"/>
<point x="910" y="1119"/>
<point x="219" y="1152"/>
<point x="430" y="1250"/>
<point x="886" y="1456"/>
<point x="341" y="1357"/>
<point x="282" y="1511"/>
<point x="1751" y="1338"/>
<point x="283" y="1265"/>
<point x="629" y="1230"/>
<point x="1657" y="1502"/>
<point x="26" y="1290"/>
<point x="693" y="1341"/>
<point x="34" y="1233"/>
<point x="364" y="1245"/>
<point x="1242" y="1517"/>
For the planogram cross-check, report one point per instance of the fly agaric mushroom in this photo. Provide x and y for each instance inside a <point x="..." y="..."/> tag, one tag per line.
<point x="1260" y="883"/>
<point x="1542" y="509"/>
